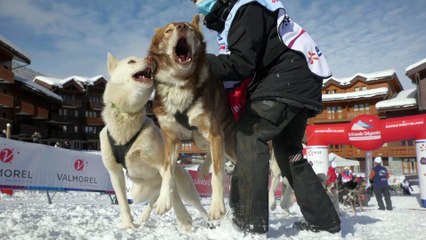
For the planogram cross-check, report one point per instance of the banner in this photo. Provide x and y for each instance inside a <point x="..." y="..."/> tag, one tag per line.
<point x="33" y="166"/>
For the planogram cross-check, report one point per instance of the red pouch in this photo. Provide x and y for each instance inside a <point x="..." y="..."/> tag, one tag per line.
<point x="237" y="98"/>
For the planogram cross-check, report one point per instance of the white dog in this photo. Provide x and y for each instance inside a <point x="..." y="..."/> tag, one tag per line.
<point x="132" y="141"/>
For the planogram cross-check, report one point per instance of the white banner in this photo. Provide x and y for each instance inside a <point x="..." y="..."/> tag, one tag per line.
<point x="318" y="158"/>
<point x="421" y="166"/>
<point x="33" y="166"/>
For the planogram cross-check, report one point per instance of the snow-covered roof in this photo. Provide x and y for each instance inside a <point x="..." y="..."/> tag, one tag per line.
<point x="61" y="82"/>
<point x="404" y="99"/>
<point x="368" y="76"/>
<point x="37" y="88"/>
<point x="355" y="95"/>
<point x="414" y="65"/>
<point x="18" y="53"/>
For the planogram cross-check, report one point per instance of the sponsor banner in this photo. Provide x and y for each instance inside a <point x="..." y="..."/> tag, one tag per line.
<point x="421" y="165"/>
<point x="203" y="185"/>
<point x="318" y="158"/>
<point x="32" y="166"/>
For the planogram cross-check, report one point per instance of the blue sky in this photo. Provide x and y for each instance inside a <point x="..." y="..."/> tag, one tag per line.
<point x="65" y="38"/>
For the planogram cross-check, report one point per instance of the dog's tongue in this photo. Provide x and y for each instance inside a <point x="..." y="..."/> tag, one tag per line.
<point x="183" y="57"/>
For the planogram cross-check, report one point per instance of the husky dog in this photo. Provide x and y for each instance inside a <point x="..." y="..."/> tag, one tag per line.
<point x="188" y="98"/>
<point x="132" y="141"/>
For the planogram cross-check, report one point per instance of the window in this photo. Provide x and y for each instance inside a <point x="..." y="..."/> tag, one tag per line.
<point x="339" y="109"/>
<point x="361" y="107"/>
<point x="328" y="109"/>
<point x="64" y="128"/>
<point x="356" y="89"/>
<point x="364" y="88"/>
<point x="367" y="106"/>
<point x="356" y="107"/>
<point x="76" y="129"/>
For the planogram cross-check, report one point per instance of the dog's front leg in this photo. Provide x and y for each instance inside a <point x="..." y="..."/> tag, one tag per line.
<point x="165" y="200"/>
<point x="275" y="179"/>
<point x="217" y="207"/>
<point x="119" y="185"/>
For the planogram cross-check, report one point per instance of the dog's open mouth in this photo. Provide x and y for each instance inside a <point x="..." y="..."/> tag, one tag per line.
<point x="183" y="51"/>
<point x="144" y="76"/>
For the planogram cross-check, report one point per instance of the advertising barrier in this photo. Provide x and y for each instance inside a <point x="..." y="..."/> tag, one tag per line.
<point x="40" y="167"/>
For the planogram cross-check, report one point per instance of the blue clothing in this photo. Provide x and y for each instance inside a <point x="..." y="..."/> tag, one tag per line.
<point x="380" y="179"/>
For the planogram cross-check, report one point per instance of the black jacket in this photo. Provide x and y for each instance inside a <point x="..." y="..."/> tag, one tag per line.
<point x="281" y="73"/>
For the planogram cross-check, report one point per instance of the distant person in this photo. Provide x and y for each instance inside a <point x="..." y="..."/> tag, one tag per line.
<point x="345" y="176"/>
<point x="406" y="186"/>
<point x="331" y="173"/>
<point x="57" y="144"/>
<point x="36" y="137"/>
<point x="67" y="145"/>
<point x="379" y="175"/>
<point x="3" y="134"/>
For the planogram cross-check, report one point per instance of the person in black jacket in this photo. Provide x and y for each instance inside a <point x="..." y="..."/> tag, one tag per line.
<point x="283" y="93"/>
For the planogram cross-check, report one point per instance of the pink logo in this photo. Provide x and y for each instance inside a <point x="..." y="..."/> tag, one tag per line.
<point x="6" y="155"/>
<point x="79" y="165"/>
<point x="312" y="57"/>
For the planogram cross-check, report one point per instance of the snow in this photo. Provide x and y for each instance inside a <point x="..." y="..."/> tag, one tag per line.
<point x="404" y="99"/>
<point x="368" y="76"/>
<point x="22" y="56"/>
<point x="38" y="88"/>
<point x="85" y="215"/>
<point x="61" y="82"/>
<point x="416" y="64"/>
<point x="355" y="95"/>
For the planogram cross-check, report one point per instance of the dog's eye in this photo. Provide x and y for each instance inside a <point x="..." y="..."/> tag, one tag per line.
<point x="131" y="61"/>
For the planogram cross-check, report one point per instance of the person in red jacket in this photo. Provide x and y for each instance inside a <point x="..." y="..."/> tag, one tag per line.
<point x="331" y="173"/>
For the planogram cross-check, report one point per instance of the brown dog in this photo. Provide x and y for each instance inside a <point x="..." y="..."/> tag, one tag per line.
<point x="187" y="97"/>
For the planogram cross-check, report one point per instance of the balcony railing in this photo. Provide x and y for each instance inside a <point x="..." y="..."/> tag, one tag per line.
<point x="65" y="135"/>
<point x="54" y="117"/>
<point x="4" y="122"/>
<point x="96" y="106"/>
<point x="72" y="103"/>
<point x="41" y="113"/>
<point x="25" y="129"/>
<point x="94" y="121"/>
<point x="25" y="109"/>
<point x="402" y="151"/>
<point x="6" y="100"/>
<point x="6" y="75"/>
<point x="190" y="147"/>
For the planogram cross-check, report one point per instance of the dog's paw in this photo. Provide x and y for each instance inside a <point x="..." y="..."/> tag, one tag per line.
<point x="217" y="210"/>
<point x="272" y="204"/>
<point x="185" y="225"/>
<point x="126" y="221"/>
<point x="127" y="224"/>
<point x="144" y="216"/>
<point x="163" y="204"/>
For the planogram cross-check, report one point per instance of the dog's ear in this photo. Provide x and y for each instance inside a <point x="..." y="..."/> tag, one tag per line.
<point x="112" y="63"/>
<point x="196" y="22"/>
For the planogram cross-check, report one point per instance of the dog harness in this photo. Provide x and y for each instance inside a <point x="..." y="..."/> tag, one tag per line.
<point x="120" y="151"/>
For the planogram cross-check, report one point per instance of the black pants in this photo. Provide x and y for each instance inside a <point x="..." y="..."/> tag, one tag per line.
<point x="285" y="126"/>
<point x="380" y="193"/>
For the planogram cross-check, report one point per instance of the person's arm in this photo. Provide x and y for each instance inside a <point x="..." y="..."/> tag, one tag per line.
<point x="372" y="174"/>
<point x="246" y="41"/>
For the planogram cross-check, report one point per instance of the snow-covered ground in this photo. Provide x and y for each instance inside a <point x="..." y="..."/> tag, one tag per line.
<point x="84" y="215"/>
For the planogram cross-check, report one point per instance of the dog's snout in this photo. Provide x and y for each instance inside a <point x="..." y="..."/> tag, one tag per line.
<point x="181" y="27"/>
